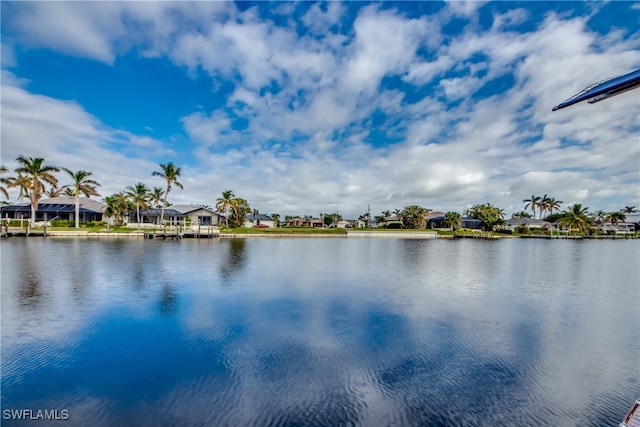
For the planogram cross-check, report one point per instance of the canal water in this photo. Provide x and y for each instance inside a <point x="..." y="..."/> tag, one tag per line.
<point x="320" y="332"/>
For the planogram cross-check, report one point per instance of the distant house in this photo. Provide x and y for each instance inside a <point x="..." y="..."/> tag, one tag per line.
<point x="390" y="220"/>
<point x="436" y="219"/>
<point x="472" y="223"/>
<point x="195" y="214"/>
<point x="351" y="223"/>
<point x="57" y="208"/>
<point x="530" y="223"/>
<point x="305" y="222"/>
<point x="259" y="220"/>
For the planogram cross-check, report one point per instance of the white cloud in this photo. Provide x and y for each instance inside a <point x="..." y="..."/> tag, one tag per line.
<point x="64" y="134"/>
<point x="309" y="145"/>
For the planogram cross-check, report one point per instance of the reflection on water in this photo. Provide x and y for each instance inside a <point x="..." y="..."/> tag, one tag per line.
<point x="321" y="331"/>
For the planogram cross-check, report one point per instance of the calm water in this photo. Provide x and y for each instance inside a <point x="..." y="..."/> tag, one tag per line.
<point x="293" y="332"/>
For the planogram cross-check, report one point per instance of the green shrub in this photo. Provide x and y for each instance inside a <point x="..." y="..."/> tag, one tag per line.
<point x="522" y="229"/>
<point x="504" y="231"/>
<point x="394" y="225"/>
<point x="62" y="223"/>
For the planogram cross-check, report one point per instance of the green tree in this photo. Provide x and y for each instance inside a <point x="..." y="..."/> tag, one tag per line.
<point x="521" y="214"/>
<point x="39" y="174"/>
<point x="4" y="182"/>
<point x="155" y="197"/>
<point x="532" y="203"/>
<point x="276" y="219"/>
<point x="414" y="217"/>
<point x="82" y="184"/>
<point x="453" y="219"/>
<point x="490" y="216"/>
<point x="575" y="217"/>
<point x="328" y="219"/>
<point x="118" y="207"/>
<point x="139" y="194"/>
<point x="629" y="209"/>
<point x="23" y="183"/>
<point x="224" y="203"/>
<point x="170" y="173"/>
<point x="239" y="210"/>
<point x="615" y="217"/>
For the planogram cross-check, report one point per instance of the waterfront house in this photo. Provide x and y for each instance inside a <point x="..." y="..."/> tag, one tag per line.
<point x="472" y="223"/>
<point x="259" y="220"/>
<point x="392" y="221"/>
<point x="176" y="214"/>
<point x="530" y="223"/>
<point x="57" y="208"/>
<point x="305" y="222"/>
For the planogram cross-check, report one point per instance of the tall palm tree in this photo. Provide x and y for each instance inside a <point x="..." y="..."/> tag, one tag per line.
<point x="629" y="209"/>
<point x="553" y="205"/>
<point x="532" y="203"/>
<point x="575" y="217"/>
<point x="4" y="182"/>
<point x="170" y="173"/>
<point x="155" y="197"/>
<point x="39" y="174"/>
<point x="82" y="184"/>
<point x="224" y="203"/>
<point x="138" y="194"/>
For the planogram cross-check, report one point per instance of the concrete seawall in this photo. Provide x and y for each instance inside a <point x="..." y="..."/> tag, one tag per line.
<point x="395" y="234"/>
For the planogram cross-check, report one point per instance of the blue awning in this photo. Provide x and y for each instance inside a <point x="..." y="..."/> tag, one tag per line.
<point x="604" y="89"/>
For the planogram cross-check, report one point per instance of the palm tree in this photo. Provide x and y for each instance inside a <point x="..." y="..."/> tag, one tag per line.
<point x="239" y="210"/>
<point x="139" y="194"/>
<point x="532" y="203"/>
<point x="68" y="192"/>
<point x="452" y="219"/>
<point x="276" y="219"/>
<point x="39" y="174"/>
<point x="629" y="209"/>
<point x="54" y="192"/>
<point x="155" y="197"/>
<point x="553" y="205"/>
<point x="170" y="173"/>
<point x="615" y="217"/>
<point x="81" y="185"/>
<point x="118" y="206"/>
<point x="224" y="203"/>
<point x="23" y="183"/>
<point x="4" y="182"/>
<point x="575" y="217"/>
<point x="521" y="214"/>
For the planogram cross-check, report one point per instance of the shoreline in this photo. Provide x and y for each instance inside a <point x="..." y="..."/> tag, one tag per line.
<point x="405" y="234"/>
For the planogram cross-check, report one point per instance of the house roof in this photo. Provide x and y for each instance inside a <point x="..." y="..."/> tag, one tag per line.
<point x="85" y="202"/>
<point x="260" y="217"/>
<point x="185" y="209"/>
<point x="527" y="221"/>
<point x="59" y="204"/>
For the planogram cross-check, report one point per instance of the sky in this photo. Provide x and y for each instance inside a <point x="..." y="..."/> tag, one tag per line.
<point x="304" y="107"/>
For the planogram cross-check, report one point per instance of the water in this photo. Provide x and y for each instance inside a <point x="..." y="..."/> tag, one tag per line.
<point x="294" y="332"/>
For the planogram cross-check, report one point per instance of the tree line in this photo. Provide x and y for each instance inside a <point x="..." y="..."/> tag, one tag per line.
<point x="35" y="179"/>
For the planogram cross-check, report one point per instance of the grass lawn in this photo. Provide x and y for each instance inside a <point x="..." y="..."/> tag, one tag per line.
<point x="284" y="230"/>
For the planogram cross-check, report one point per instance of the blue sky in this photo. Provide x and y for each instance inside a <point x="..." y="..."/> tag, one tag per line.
<point x="304" y="107"/>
